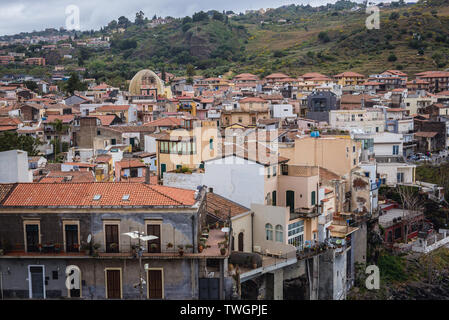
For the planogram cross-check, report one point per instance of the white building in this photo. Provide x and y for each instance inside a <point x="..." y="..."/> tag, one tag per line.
<point x="14" y="167"/>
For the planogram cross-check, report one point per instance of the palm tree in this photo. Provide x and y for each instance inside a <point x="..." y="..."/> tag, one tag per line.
<point x="60" y="128"/>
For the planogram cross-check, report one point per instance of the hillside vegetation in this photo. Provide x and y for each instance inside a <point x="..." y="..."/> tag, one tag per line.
<point x="292" y="39"/>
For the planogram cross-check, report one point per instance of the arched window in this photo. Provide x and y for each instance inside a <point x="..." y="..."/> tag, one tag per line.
<point x="279" y="233"/>
<point x="269" y="231"/>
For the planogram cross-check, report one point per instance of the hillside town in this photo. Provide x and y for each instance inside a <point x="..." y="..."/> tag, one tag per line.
<point x="242" y="186"/>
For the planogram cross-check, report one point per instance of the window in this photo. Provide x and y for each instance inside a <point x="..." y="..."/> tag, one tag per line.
<point x="240" y="119"/>
<point x="71" y="236"/>
<point x="313" y="195"/>
<point x="98" y="132"/>
<point x="273" y="198"/>
<point x="154" y="229"/>
<point x="400" y="177"/>
<point x="111" y="232"/>
<point x="296" y="234"/>
<point x="269" y="231"/>
<point x="268" y="172"/>
<point x="32" y="235"/>
<point x="397" y="233"/>
<point x="279" y="233"/>
<point x="211" y="144"/>
<point x="395" y="150"/>
<point x="275" y="171"/>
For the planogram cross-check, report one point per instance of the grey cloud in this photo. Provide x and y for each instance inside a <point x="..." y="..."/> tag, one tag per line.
<point x="28" y="15"/>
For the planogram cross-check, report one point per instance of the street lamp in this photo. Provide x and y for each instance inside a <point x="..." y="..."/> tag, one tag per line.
<point x="141" y="236"/>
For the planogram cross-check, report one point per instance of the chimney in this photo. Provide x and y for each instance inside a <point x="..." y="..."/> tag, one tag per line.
<point x="147" y="175"/>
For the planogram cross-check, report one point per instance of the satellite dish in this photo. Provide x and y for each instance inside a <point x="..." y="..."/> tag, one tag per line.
<point x="225" y="229"/>
<point x="89" y="238"/>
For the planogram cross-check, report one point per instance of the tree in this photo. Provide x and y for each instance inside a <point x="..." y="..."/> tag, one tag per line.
<point x="323" y="36"/>
<point x="190" y="72"/>
<point x="60" y="128"/>
<point x="394" y="16"/>
<point x="140" y="18"/>
<point x="31" y="85"/>
<point x="74" y="84"/>
<point x="392" y="57"/>
<point x="163" y="75"/>
<point x="12" y="141"/>
<point x="123" y="22"/>
<point x="411" y="202"/>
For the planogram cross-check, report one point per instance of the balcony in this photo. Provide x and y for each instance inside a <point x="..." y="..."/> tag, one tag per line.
<point x="305" y="213"/>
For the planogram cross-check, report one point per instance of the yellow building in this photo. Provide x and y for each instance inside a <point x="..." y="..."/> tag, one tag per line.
<point x="188" y="147"/>
<point x="350" y="78"/>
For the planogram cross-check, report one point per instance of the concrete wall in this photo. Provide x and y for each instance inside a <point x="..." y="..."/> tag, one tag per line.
<point x="242" y="224"/>
<point x="180" y="277"/>
<point x="275" y="216"/>
<point x="14" y="167"/>
<point x="183" y="181"/>
<point x="239" y="180"/>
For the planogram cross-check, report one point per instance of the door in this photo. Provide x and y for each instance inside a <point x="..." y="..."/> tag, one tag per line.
<point x="32" y="236"/>
<point x="71" y="237"/>
<point x="113" y="284"/>
<point x="111" y="231"/>
<point x="155" y="284"/>
<point x="209" y="288"/>
<point x="163" y="169"/>
<point x="154" y="246"/>
<point x="241" y="241"/>
<point x="273" y="196"/>
<point x="37" y="282"/>
<point x="290" y="200"/>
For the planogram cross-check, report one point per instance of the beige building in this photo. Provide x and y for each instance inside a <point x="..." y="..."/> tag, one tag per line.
<point x="340" y="154"/>
<point x="188" y="147"/>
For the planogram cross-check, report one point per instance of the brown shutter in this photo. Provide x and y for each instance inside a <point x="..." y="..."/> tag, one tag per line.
<point x="154" y="230"/>
<point x="155" y="284"/>
<point x="113" y="284"/>
<point x="111" y="231"/>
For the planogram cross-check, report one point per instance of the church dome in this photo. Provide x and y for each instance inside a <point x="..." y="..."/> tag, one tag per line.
<point x="146" y="79"/>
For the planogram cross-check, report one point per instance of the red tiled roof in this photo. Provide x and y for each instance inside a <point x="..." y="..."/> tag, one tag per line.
<point x="112" y="107"/>
<point x="349" y="74"/>
<point x="131" y="163"/>
<point x="65" y="118"/>
<point x="251" y="99"/>
<point x="165" y="122"/>
<point x="276" y="76"/>
<point x="106" y="119"/>
<point x="82" y="194"/>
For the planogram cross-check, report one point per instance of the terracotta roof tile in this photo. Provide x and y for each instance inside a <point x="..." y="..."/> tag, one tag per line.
<point x="82" y="194"/>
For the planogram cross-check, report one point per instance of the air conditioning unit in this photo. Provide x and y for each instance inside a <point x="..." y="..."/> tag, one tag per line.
<point x="257" y="249"/>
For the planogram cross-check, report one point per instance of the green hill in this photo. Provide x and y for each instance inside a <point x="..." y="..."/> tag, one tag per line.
<point x="292" y="39"/>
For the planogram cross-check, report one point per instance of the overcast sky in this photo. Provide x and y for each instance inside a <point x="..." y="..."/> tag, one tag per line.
<point x="28" y="15"/>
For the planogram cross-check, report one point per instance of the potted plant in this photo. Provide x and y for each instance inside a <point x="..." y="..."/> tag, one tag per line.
<point x="86" y="248"/>
<point x="169" y="245"/>
<point x="223" y="251"/>
<point x="254" y="262"/>
<point x="153" y="247"/>
<point x="57" y="247"/>
<point x="189" y="246"/>
<point x="181" y="250"/>
<point x="95" y="248"/>
<point x="200" y="247"/>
